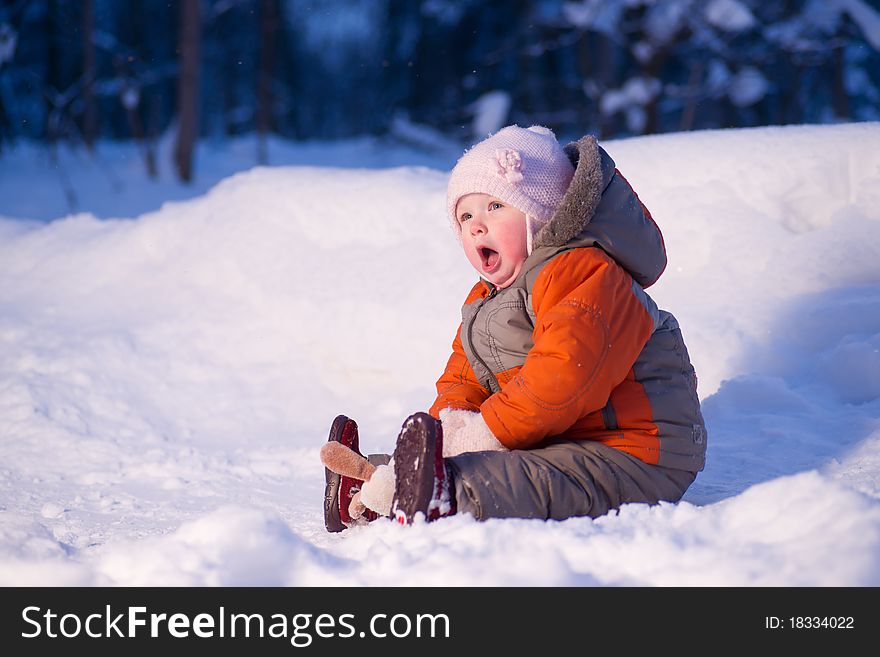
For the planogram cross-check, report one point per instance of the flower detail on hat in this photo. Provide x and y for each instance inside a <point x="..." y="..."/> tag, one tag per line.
<point x="510" y="165"/>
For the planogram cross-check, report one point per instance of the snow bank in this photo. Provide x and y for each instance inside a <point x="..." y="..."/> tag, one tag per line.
<point x="790" y="531"/>
<point x="166" y="381"/>
<point x="227" y="547"/>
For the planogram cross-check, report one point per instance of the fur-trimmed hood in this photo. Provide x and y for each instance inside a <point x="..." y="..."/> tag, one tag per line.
<point x="601" y="209"/>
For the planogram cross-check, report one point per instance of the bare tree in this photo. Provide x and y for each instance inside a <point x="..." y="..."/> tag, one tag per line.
<point x="130" y="94"/>
<point x="268" y="18"/>
<point x="90" y="109"/>
<point x="189" y="54"/>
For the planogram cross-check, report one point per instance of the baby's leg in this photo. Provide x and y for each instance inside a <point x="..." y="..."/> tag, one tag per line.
<point x="564" y="479"/>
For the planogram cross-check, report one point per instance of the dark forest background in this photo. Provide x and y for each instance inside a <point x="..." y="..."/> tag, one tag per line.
<point x="77" y="71"/>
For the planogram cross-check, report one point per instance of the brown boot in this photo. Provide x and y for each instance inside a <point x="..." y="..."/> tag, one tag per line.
<point x="422" y="480"/>
<point x="344" y="483"/>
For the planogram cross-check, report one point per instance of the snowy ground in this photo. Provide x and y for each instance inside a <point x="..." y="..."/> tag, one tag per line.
<point x="168" y="376"/>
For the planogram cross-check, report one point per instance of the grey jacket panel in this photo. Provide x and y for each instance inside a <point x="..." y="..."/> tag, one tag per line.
<point x="562" y="480"/>
<point x="481" y="370"/>
<point x="621" y="227"/>
<point x="504" y="330"/>
<point x="664" y="369"/>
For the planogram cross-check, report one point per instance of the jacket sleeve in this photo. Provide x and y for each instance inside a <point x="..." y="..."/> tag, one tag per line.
<point x="592" y="321"/>
<point x="458" y="386"/>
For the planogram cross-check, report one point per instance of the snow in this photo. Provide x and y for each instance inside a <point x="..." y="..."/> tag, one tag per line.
<point x="490" y="113"/>
<point x="8" y="40"/>
<point x="867" y="18"/>
<point x="729" y="15"/>
<point x="598" y="15"/>
<point x="665" y="19"/>
<point x="333" y="27"/>
<point x="747" y="87"/>
<point x="130" y="97"/>
<point x="631" y="99"/>
<point x="171" y="359"/>
<point x="824" y="17"/>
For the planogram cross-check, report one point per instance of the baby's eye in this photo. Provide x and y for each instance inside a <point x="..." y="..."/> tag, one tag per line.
<point x="495" y="205"/>
<point x="464" y="217"/>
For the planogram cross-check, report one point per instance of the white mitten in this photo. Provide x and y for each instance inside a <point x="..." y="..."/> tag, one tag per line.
<point x="466" y="431"/>
<point x="378" y="493"/>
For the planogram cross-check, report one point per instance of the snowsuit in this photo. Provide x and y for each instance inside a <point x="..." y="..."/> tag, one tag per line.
<point x="574" y="367"/>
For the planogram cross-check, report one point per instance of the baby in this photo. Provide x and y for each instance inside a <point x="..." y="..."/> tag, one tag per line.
<point x="568" y="392"/>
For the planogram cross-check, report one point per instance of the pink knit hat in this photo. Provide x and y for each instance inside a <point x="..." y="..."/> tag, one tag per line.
<point x="525" y="167"/>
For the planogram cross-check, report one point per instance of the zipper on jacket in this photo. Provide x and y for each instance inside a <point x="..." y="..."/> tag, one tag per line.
<point x="493" y="380"/>
<point x="609" y="417"/>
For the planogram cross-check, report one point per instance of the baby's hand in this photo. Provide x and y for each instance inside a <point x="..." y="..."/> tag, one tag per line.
<point x="466" y="431"/>
<point x="453" y="422"/>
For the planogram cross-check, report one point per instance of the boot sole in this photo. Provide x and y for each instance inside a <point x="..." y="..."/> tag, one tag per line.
<point x="335" y="518"/>
<point x="332" y="520"/>
<point x="414" y="468"/>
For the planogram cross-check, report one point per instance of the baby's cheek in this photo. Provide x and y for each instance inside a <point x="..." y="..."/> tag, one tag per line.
<point x="514" y="252"/>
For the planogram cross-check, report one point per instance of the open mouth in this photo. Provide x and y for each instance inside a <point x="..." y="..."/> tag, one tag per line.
<point x="489" y="258"/>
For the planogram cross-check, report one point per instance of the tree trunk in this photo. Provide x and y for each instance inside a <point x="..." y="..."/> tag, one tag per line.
<point x="605" y="74"/>
<point x="839" y="95"/>
<point x="268" y="18"/>
<point x="652" y="71"/>
<point x="228" y="25"/>
<point x="52" y="79"/>
<point x="189" y="52"/>
<point x="790" y="93"/>
<point x="90" y="110"/>
<point x="130" y="99"/>
<point x="689" y="112"/>
<point x="583" y="61"/>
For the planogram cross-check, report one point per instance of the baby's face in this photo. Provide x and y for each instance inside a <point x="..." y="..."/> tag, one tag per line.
<point x="493" y="235"/>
